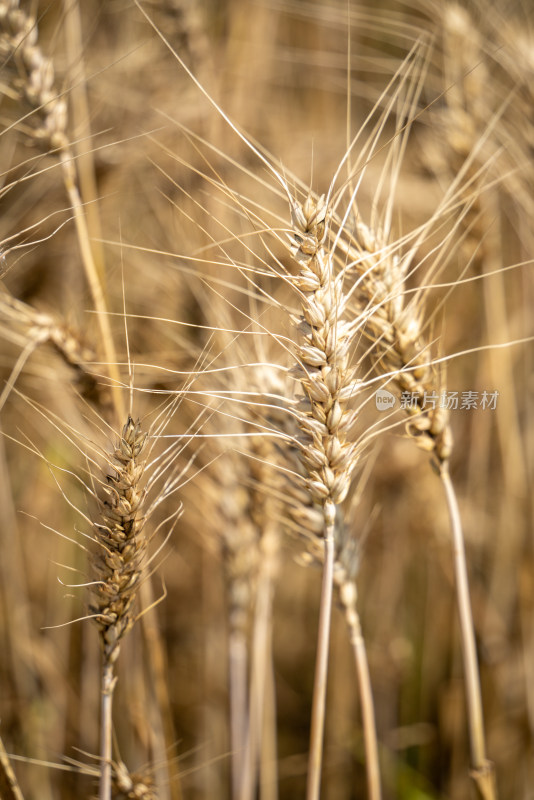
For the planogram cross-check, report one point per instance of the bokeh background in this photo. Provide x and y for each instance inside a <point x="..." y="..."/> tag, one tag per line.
<point x="175" y="202"/>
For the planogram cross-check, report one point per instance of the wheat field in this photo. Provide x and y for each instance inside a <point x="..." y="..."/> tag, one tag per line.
<point x="266" y="402"/>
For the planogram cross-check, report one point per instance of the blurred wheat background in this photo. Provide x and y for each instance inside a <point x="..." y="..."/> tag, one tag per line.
<point x="187" y="235"/>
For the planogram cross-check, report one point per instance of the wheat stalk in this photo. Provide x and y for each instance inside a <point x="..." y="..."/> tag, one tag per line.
<point x="308" y="518"/>
<point x="498" y="122"/>
<point x="265" y="502"/>
<point x="328" y="384"/>
<point x="227" y="485"/>
<point x="347" y="589"/>
<point x="35" y="82"/>
<point x="117" y="568"/>
<point x="400" y="351"/>
<point x="9" y="787"/>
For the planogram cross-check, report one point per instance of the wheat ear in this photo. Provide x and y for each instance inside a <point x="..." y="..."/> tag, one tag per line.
<point x="117" y="569"/>
<point x="39" y="328"/>
<point x="400" y="351"/>
<point x="36" y="78"/>
<point x="327" y="457"/>
<point x="394" y="328"/>
<point x="126" y="786"/>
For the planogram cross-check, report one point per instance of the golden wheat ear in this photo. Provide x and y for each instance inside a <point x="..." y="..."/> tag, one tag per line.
<point x="328" y="384"/>
<point x="400" y="353"/>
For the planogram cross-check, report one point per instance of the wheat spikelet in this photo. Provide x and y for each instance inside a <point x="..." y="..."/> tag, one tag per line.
<point x="400" y="351"/>
<point x="464" y="141"/>
<point x="465" y="76"/>
<point x="183" y="18"/>
<point x="265" y="483"/>
<point x="239" y="541"/>
<point x="486" y="137"/>
<point x="302" y="513"/>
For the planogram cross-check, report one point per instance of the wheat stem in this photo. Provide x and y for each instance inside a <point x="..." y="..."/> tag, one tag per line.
<point x="81" y="123"/>
<point x="482" y="769"/>
<point x="237" y="666"/>
<point x="321" y="664"/>
<point x="117" y="569"/>
<point x="328" y="384"/>
<point x="167" y="778"/>
<point x="9" y="787"/>
<point x="108" y="685"/>
<point x="368" y="714"/>
<point x="261" y="655"/>
<point x="269" y="761"/>
<point x="93" y="279"/>
<point x="346" y="567"/>
<point x="20" y="41"/>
